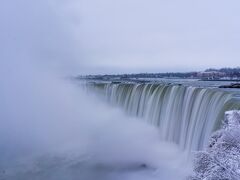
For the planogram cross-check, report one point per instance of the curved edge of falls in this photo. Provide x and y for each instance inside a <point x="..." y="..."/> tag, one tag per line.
<point x="185" y="115"/>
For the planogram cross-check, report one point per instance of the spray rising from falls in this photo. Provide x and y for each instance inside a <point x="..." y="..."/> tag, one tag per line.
<point x="184" y="115"/>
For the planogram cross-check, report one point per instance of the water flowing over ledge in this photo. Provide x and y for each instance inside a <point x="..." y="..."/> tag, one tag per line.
<point x="185" y="115"/>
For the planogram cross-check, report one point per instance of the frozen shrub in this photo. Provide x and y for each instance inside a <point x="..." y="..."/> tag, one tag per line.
<point x="221" y="159"/>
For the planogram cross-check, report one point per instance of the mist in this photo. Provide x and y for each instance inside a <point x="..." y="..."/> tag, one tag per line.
<point x="46" y="118"/>
<point x="50" y="128"/>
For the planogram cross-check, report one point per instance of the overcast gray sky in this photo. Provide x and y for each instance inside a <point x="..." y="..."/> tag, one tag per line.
<point x="109" y="36"/>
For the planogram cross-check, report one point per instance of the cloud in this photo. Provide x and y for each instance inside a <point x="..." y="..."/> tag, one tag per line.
<point x="134" y="35"/>
<point x="91" y="36"/>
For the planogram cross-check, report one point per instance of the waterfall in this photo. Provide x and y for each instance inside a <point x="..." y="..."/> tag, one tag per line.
<point x="185" y="115"/>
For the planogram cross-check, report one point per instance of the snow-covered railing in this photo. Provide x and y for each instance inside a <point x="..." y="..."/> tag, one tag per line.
<point x="221" y="159"/>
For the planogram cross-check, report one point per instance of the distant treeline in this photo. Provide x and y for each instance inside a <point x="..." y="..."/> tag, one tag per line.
<point x="143" y="75"/>
<point x="223" y="72"/>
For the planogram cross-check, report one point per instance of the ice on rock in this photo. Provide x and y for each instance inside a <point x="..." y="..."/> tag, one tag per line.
<point x="221" y="159"/>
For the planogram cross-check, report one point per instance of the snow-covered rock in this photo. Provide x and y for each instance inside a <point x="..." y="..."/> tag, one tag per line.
<point x="221" y="159"/>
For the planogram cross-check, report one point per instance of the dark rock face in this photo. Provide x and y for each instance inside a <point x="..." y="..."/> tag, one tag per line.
<point x="235" y="85"/>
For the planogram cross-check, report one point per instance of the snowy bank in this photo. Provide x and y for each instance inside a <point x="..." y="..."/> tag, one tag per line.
<point x="221" y="159"/>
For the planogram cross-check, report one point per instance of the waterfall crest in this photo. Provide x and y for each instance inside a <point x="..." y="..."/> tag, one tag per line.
<point x="184" y="115"/>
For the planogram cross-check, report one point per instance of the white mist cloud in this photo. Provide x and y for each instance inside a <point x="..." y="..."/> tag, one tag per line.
<point x="41" y="113"/>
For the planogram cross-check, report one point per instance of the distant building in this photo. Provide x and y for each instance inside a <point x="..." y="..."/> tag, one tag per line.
<point x="211" y="75"/>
